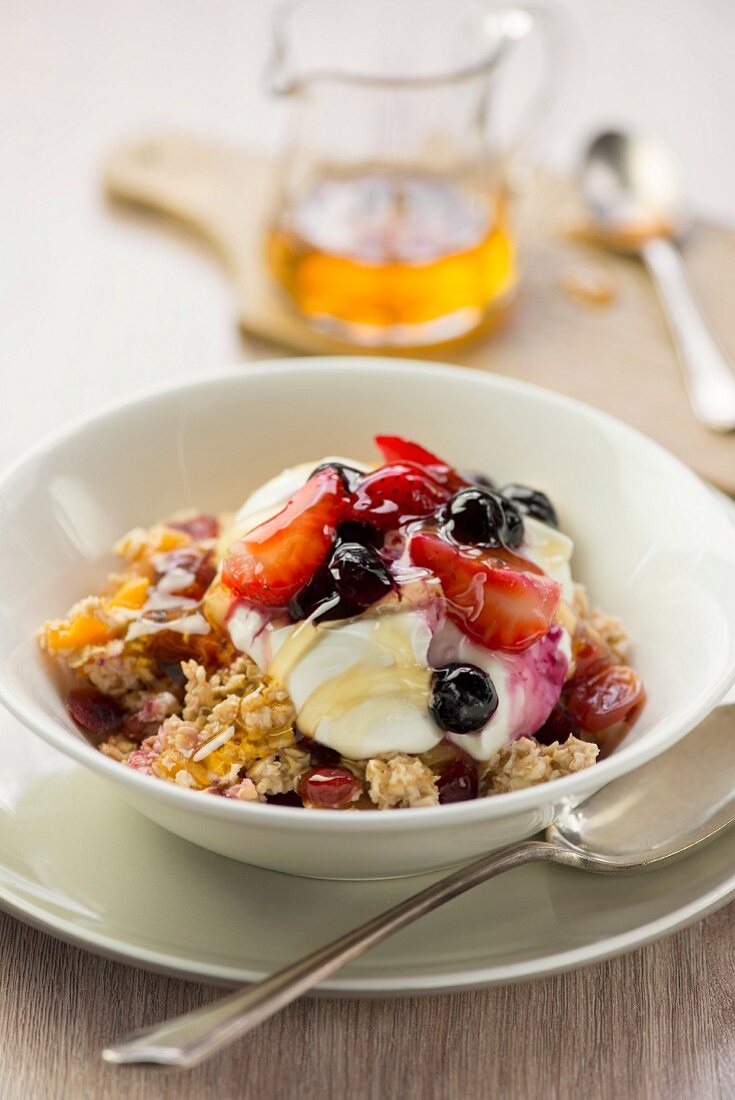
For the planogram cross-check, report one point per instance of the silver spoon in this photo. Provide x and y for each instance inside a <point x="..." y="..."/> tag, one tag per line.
<point x="656" y="814"/>
<point x="631" y="189"/>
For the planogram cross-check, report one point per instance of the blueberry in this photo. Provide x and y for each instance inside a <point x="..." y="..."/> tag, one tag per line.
<point x="349" y="476"/>
<point x="513" y="530"/>
<point x="352" y="579"/>
<point x="559" y="726"/>
<point x="316" y="592"/>
<point x="360" y="575"/>
<point x="288" y="798"/>
<point x="532" y="502"/>
<point x="475" y="516"/>
<point x="476" y="477"/>
<point x="479" y="517"/>
<point x="364" y="533"/>
<point x="463" y="698"/>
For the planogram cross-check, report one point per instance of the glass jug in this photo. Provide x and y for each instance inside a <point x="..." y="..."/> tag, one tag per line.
<point x="391" y="225"/>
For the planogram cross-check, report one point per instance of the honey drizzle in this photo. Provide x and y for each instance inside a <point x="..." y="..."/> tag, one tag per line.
<point x="370" y="679"/>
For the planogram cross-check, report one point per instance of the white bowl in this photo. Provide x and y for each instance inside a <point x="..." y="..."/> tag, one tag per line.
<point x="652" y="543"/>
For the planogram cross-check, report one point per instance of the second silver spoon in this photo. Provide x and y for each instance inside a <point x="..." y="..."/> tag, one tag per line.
<point x="631" y="189"/>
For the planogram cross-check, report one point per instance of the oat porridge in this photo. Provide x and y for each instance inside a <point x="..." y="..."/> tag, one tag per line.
<point x="354" y="637"/>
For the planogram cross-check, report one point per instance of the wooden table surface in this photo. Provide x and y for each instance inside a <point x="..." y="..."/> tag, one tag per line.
<point x="96" y="305"/>
<point x="653" y="1024"/>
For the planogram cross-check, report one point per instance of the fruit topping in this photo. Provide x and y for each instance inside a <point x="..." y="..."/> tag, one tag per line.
<point x="463" y="698"/>
<point x="395" y="449"/>
<point x="392" y="495"/>
<point x="604" y="698"/>
<point x="476" y="477"/>
<point x="186" y="573"/>
<point x="320" y="754"/>
<point x="288" y="798"/>
<point x="131" y="594"/>
<point x="503" y="601"/>
<point x="81" y="630"/>
<point x="475" y="516"/>
<point x="532" y="502"/>
<point x="204" y="574"/>
<point x="318" y="592"/>
<point x="513" y="530"/>
<point x="169" y="648"/>
<point x="354" y="578"/>
<point x="364" y="533"/>
<point x="360" y="575"/>
<point x="590" y="652"/>
<point x="326" y="788"/>
<point x="559" y="726"/>
<point x="199" y="527"/>
<point x="457" y="781"/>
<point x="94" y="711"/>
<point x="349" y="475"/>
<point x="272" y="562"/>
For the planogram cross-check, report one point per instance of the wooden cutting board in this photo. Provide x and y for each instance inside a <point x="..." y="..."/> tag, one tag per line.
<point x="616" y="356"/>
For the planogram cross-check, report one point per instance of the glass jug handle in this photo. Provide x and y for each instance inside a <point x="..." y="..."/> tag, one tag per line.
<point x="276" y="79"/>
<point x="513" y="25"/>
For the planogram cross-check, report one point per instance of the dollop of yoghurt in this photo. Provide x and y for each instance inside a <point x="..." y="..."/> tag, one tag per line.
<point x="362" y="686"/>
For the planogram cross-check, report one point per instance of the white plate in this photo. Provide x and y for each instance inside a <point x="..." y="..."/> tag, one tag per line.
<point x="78" y="862"/>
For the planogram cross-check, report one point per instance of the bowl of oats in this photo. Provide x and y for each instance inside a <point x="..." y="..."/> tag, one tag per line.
<point x="355" y="618"/>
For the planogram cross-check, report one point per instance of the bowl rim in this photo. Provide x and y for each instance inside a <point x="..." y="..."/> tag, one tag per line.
<point x="667" y="732"/>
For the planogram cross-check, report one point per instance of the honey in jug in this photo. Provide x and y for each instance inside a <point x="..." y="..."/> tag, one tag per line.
<point x="393" y="259"/>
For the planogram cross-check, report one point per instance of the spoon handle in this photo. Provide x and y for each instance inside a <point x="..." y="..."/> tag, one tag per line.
<point x="189" y="1039"/>
<point x="709" y="377"/>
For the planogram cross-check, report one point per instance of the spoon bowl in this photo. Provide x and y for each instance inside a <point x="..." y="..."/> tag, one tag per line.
<point x="631" y="187"/>
<point x="669" y="807"/>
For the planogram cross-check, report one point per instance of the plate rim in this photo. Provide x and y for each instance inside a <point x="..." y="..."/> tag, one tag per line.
<point x="453" y="981"/>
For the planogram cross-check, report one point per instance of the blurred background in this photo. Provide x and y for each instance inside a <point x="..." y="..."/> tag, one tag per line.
<point x="97" y="304"/>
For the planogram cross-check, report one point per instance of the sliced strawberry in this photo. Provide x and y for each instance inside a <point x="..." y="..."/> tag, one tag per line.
<point x="272" y="562"/>
<point x="498" y="598"/>
<point x="393" y="494"/>
<point x="604" y="698"/>
<point x="396" y="449"/>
